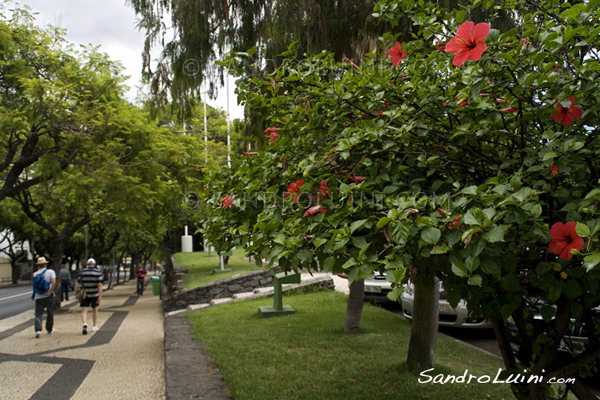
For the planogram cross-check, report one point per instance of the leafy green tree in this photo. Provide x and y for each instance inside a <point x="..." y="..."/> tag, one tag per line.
<point x="471" y="161"/>
<point x="109" y="161"/>
<point x="205" y="30"/>
<point x="30" y="59"/>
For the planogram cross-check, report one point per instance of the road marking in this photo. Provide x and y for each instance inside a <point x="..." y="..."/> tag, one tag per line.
<point x="16" y="295"/>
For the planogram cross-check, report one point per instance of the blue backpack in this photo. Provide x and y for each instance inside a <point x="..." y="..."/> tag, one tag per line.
<point x="40" y="285"/>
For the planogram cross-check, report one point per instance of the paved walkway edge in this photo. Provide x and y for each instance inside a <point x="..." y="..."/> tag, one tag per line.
<point x="190" y="372"/>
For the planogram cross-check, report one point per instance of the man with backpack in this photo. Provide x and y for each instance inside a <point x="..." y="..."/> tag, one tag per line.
<point x="44" y="281"/>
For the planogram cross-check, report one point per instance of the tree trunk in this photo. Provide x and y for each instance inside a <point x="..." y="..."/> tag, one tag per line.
<point x="423" y="334"/>
<point x="355" y="306"/>
<point x="15" y="271"/>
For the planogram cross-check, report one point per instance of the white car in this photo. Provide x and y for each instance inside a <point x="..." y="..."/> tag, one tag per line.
<point x="377" y="288"/>
<point x="452" y="317"/>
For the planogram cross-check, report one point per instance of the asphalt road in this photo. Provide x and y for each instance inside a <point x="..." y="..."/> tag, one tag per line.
<point x="15" y="300"/>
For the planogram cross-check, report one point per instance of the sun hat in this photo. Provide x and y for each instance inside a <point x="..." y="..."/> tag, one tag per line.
<point x="41" y="260"/>
<point x="91" y="261"/>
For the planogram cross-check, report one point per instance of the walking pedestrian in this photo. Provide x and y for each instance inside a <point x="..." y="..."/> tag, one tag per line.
<point x="91" y="280"/>
<point x="43" y="289"/>
<point x="140" y="273"/>
<point x="65" y="283"/>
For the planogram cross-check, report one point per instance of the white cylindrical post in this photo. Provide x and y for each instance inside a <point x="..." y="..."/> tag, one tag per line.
<point x="228" y="128"/>
<point x="187" y="244"/>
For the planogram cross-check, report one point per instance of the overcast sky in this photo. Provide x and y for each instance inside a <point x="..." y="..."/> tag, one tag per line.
<point x="111" y="24"/>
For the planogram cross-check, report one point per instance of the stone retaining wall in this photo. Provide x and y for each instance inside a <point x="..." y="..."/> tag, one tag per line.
<point x="178" y="298"/>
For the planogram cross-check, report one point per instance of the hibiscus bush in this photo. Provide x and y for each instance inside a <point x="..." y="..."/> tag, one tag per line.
<point x="468" y="154"/>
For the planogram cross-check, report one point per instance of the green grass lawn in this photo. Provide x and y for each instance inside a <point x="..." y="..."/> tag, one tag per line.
<point x="200" y="267"/>
<point x="307" y="355"/>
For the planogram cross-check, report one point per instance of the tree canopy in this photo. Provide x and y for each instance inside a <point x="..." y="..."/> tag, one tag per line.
<point x="75" y="152"/>
<point x="468" y="154"/>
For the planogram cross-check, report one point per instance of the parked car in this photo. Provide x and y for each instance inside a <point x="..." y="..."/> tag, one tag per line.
<point x="574" y="341"/>
<point x="377" y="289"/>
<point x="576" y="337"/>
<point x="451" y="317"/>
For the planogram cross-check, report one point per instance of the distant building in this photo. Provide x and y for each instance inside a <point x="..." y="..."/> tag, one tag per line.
<point x="5" y="270"/>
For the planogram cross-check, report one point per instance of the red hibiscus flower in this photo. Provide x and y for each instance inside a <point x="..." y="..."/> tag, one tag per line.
<point x="349" y="61"/>
<point x="564" y="239"/>
<point x="227" y="201"/>
<point x="294" y="188"/>
<point x="456" y="224"/>
<point x="273" y="133"/>
<point x="554" y="169"/>
<point x="463" y="103"/>
<point x="438" y="45"/>
<point x="509" y="110"/>
<point x="566" y="115"/>
<point x="468" y="44"/>
<point x="323" y="191"/>
<point x="357" y="179"/>
<point x="314" y="210"/>
<point x="397" y="54"/>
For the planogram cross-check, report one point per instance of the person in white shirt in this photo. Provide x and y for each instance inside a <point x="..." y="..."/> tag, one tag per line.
<point x="44" y="300"/>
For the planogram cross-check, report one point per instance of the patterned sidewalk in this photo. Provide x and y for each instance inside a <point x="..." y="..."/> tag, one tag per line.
<point x="123" y="360"/>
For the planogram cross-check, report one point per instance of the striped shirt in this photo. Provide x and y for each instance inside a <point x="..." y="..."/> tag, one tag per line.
<point x="90" y="278"/>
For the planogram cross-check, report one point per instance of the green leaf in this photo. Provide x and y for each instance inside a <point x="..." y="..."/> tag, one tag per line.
<point x="475" y="280"/>
<point x="549" y="155"/>
<point x="359" y="242"/>
<point x="522" y="194"/>
<point x="460" y="16"/>
<point x="471" y="219"/>
<point x="470" y="232"/>
<point x="459" y="269"/>
<point x="319" y="242"/>
<point x="363" y="250"/>
<point x="349" y="264"/>
<point x="443" y="249"/>
<point x="593" y="193"/>
<point x="305" y="255"/>
<point x="395" y="275"/>
<point x="431" y="235"/>
<point x="279" y="238"/>
<point x="472" y="263"/>
<point x="383" y="222"/>
<point x="472" y="190"/>
<point x="476" y="89"/>
<point x="496" y="234"/>
<point x="328" y="264"/>
<point x="399" y="232"/>
<point x="490" y="267"/>
<point x="338" y="243"/>
<point x="591" y="261"/>
<point x="572" y="289"/>
<point x="582" y="230"/>
<point x="357" y="224"/>
<point x="547" y="312"/>
<point x="394" y="295"/>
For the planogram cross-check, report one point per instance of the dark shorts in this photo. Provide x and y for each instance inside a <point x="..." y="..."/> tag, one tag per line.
<point x="89" y="302"/>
